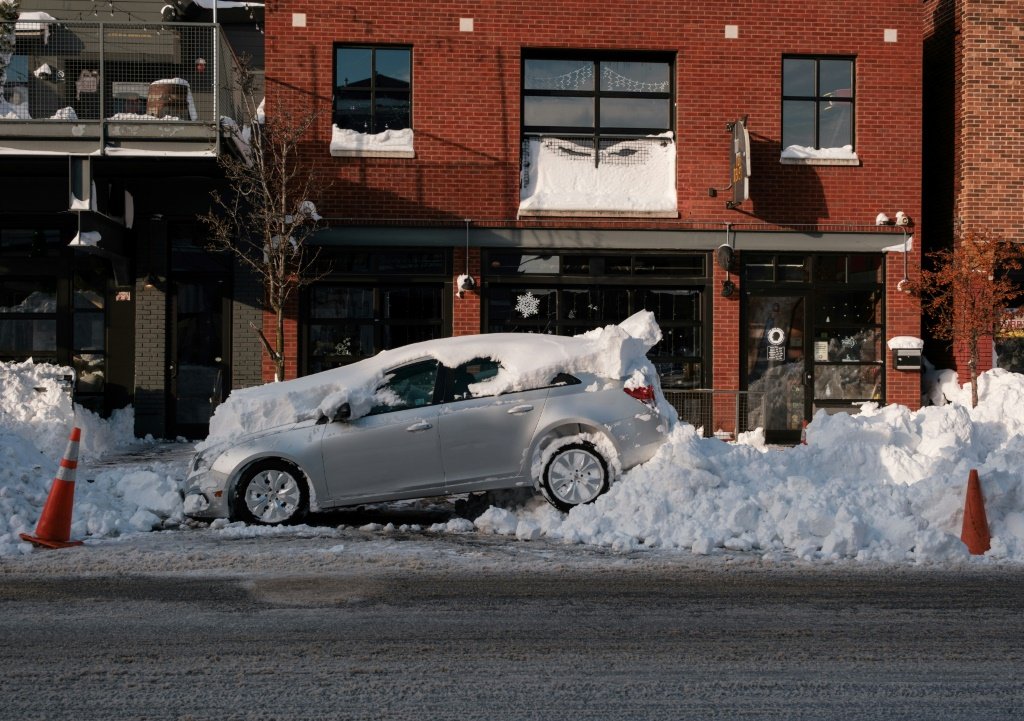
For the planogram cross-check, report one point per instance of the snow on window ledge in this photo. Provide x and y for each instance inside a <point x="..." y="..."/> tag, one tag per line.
<point x="801" y="155"/>
<point x="632" y="178"/>
<point x="389" y="144"/>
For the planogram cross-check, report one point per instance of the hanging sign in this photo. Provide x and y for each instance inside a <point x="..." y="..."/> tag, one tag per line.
<point x="740" y="159"/>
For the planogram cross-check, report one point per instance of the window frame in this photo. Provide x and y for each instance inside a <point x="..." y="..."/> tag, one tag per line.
<point x="597" y="58"/>
<point x="373" y="48"/>
<point x="817" y="97"/>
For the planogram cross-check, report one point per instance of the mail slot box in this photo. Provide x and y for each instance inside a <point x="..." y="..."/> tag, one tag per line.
<point x="906" y="359"/>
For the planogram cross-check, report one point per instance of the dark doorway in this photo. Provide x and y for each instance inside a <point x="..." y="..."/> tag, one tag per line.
<point x="198" y="354"/>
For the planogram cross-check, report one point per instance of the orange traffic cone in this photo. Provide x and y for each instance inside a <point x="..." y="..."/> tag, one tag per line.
<point x="975" y="531"/>
<point x="54" y="527"/>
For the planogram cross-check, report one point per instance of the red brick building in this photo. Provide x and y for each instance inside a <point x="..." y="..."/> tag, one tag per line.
<point x="974" y="164"/>
<point x="576" y="160"/>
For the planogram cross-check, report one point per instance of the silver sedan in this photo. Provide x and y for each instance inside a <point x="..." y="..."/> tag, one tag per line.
<point x="436" y="430"/>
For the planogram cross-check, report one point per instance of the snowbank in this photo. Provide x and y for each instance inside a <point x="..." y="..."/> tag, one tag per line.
<point x="36" y="417"/>
<point x="885" y="485"/>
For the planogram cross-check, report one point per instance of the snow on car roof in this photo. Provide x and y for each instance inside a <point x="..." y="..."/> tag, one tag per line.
<point x="527" y="359"/>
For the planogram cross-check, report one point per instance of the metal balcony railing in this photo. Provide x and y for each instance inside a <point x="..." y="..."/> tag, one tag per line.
<point x="721" y="413"/>
<point x="108" y="88"/>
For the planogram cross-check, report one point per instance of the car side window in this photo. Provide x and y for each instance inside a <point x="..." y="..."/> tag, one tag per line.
<point x="469" y="380"/>
<point x="410" y="386"/>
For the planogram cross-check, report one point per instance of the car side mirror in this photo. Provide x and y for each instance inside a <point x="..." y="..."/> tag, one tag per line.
<point x="343" y="413"/>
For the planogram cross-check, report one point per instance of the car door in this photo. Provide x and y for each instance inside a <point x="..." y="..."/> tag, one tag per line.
<point x="485" y="437"/>
<point x="394" y="451"/>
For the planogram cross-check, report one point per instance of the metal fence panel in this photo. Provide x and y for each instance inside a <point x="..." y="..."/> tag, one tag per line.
<point x="722" y="413"/>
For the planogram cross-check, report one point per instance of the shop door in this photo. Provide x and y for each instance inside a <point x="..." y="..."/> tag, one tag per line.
<point x="777" y="365"/>
<point x="197" y="366"/>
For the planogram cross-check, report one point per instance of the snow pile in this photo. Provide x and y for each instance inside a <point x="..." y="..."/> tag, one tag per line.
<point x="631" y="176"/>
<point x="36" y="417"/>
<point x="803" y="152"/>
<point x="885" y="485"/>
<point x="397" y="142"/>
<point x="527" y="360"/>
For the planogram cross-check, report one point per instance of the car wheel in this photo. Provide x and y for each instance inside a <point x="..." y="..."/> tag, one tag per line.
<point x="271" y="493"/>
<point x="575" y="474"/>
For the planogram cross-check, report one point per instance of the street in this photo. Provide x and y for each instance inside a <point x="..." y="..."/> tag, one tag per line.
<point x="357" y="625"/>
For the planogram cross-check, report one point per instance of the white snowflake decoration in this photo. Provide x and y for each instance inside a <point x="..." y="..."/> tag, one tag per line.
<point x="527" y="305"/>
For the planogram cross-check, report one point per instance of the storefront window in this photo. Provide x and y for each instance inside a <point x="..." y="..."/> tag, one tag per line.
<point x="347" y="323"/>
<point x="28" y="318"/>
<point x="619" y="286"/>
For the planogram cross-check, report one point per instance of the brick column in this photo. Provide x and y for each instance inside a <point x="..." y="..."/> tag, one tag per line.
<point x="724" y="337"/>
<point x="466" y="317"/>
<point x="151" y="329"/>
<point x="903" y="317"/>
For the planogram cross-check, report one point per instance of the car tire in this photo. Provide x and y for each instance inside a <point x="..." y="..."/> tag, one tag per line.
<point x="575" y="475"/>
<point x="271" y="493"/>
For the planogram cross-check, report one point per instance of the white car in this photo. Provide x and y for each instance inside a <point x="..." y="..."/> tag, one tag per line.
<point x="442" y="417"/>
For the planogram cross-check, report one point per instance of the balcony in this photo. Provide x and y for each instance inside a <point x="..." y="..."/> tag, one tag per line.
<point x="88" y="88"/>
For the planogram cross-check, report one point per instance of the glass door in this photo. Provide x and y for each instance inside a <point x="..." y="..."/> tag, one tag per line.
<point x="777" y="365"/>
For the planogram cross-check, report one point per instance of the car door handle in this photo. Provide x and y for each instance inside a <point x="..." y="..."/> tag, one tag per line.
<point x="519" y="410"/>
<point x="421" y="426"/>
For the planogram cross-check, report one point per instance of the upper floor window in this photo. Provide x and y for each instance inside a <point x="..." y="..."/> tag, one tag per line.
<point x="372" y="88"/>
<point x="594" y="95"/>
<point x="597" y="134"/>
<point x="818" y="102"/>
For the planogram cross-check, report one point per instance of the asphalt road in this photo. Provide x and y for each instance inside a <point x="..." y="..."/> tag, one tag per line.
<point x="544" y="639"/>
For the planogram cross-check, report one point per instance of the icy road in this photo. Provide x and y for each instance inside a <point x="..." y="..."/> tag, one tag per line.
<point x="356" y="624"/>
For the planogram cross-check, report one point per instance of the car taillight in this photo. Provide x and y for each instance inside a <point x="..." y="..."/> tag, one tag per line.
<point x="644" y="394"/>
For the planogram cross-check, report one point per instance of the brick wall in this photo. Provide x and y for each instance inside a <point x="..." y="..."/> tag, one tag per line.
<point x="973" y="63"/>
<point x="291" y="340"/>
<point x="466" y="100"/>
<point x="246" y="309"/>
<point x="466" y="307"/>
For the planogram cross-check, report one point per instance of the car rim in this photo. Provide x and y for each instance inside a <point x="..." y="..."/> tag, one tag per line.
<point x="576" y="476"/>
<point x="273" y="496"/>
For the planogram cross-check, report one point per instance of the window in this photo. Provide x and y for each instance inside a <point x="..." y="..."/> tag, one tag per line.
<point x="372" y="88"/>
<point x="817" y="102"/>
<point x="627" y="95"/>
<point x="28" y="319"/>
<point x="591" y="125"/>
<point x="410" y="386"/>
<point x="469" y="379"/>
<point x="533" y="293"/>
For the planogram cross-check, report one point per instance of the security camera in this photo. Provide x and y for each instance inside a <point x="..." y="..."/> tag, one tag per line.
<point x="902" y="218"/>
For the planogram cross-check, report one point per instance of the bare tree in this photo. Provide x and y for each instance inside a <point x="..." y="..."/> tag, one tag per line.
<point x="8" y="20"/>
<point x="968" y="293"/>
<point x="267" y="215"/>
